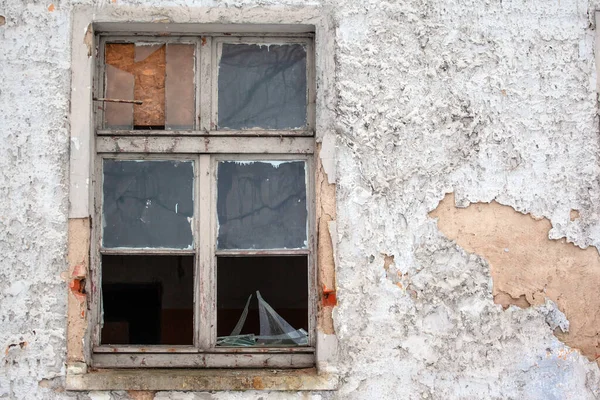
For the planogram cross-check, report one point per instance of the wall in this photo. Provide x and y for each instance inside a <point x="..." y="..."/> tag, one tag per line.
<point x="487" y="100"/>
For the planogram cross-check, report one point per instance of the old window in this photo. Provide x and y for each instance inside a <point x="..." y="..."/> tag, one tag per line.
<point x="203" y="246"/>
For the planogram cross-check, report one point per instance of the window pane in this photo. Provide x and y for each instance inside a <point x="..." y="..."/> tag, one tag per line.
<point x="119" y="85"/>
<point x="180" y="91"/>
<point x="148" y="203"/>
<point x="262" y="86"/>
<point x="159" y="75"/>
<point x="279" y="318"/>
<point x="261" y="205"/>
<point x="148" y="299"/>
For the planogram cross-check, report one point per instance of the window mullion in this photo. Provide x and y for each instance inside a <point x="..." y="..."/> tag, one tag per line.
<point x="205" y="286"/>
<point x="205" y="84"/>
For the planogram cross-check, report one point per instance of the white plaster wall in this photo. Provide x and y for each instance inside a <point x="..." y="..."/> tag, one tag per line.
<point x="489" y="99"/>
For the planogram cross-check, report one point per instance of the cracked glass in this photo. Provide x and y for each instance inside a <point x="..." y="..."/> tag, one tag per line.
<point x="261" y="205"/>
<point x="148" y="204"/>
<point x="262" y="86"/>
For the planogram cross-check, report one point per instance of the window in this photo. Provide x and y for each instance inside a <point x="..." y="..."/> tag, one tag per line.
<point x="204" y="249"/>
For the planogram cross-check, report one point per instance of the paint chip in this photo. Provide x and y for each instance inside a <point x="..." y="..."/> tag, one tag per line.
<point x="574" y="214"/>
<point x="2" y="20"/>
<point x="535" y="269"/>
<point x="51" y="7"/>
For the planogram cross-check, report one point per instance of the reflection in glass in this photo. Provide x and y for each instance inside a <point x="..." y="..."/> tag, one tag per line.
<point x="261" y="205"/>
<point x="262" y="86"/>
<point x="148" y="203"/>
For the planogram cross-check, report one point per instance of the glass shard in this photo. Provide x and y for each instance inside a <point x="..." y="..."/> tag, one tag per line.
<point x="179" y="90"/>
<point x="262" y="301"/>
<point x="148" y="204"/>
<point x="262" y="86"/>
<point x="261" y="205"/>
<point x="148" y="300"/>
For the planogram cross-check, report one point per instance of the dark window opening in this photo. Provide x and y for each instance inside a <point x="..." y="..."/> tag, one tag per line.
<point x="282" y="282"/>
<point x="148" y="300"/>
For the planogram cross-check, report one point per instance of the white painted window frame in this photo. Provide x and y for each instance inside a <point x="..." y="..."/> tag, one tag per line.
<point x="229" y="145"/>
<point x="86" y="142"/>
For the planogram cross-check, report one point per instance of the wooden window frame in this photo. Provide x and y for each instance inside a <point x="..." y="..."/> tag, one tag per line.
<point x="206" y="145"/>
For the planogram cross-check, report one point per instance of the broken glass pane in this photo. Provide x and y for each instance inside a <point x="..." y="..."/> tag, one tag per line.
<point x="261" y="205"/>
<point x="262" y="301"/>
<point x="262" y="86"/>
<point x="148" y="299"/>
<point x="159" y="75"/>
<point x="148" y="203"/>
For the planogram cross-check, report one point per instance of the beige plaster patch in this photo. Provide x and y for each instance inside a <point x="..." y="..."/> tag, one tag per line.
<point x="326" y="212"/>
<point x="527" y="267"/>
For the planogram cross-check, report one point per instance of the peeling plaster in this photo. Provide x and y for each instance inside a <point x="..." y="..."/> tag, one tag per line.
<point x="490" y="100"/>
<point x="527" y="267"/>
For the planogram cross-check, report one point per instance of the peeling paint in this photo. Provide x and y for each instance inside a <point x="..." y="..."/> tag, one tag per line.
<point x="490" y="100"/>
<point x="527" y="267"/>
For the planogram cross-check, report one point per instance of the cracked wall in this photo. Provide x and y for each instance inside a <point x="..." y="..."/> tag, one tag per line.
<point x="488" y="100"/>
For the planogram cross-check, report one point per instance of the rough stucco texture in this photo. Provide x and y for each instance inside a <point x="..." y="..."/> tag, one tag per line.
<point x="489" y="100"/>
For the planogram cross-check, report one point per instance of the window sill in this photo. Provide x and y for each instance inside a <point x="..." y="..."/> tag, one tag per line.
<point x="202" y="380"/>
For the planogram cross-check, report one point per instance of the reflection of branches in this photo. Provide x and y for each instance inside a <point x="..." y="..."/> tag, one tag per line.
<point x="125" y="213"/>
<point x="285" y="57"/>
<point x="140" y="186"/>
<point x="266" y="206"/>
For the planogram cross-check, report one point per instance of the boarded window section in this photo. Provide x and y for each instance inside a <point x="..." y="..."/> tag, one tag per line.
<point x="262" y="86"/>
<point x="148" y="204"/>
<point x="261" y="205"/>
<point x="279" y="317"/>
<point x="148" y="300"/>
<point x="159" y="75"/>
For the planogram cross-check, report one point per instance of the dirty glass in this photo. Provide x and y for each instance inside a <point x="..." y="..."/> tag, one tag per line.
<point x="261" y="205"/>
<point x="179" y="91"/>
<point x="161" y="76"/>
<point x="147" y="204"/>
<point x="262" y="301"/>
<point x="119" y="85"/>
<point x="262" y="86"/>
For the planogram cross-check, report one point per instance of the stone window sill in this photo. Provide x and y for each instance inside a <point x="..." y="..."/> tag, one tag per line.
<point x="202" y="380"/>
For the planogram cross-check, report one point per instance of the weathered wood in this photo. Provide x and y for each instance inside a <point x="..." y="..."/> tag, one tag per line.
<point x="182" y="144"/>
<point x="202" y="360"/>
<point x="203" y="132"/>
<point x="203" y="380"/>
<point x="122" y="348"/>
<point x="205" y="295"/>
<point x="135" y="251"/>
<point x="274" y="252"/>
